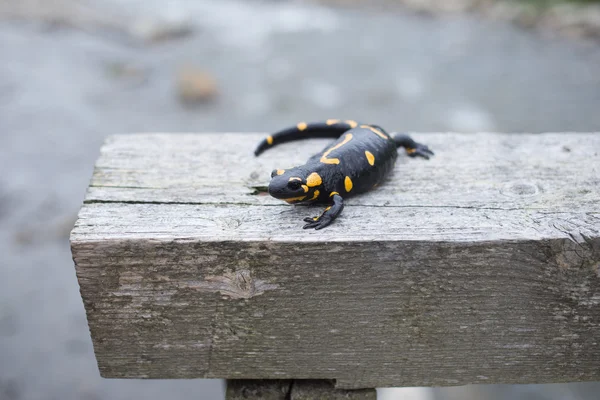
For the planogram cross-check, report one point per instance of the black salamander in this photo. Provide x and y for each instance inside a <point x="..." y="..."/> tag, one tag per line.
<point x="359" y="160"/>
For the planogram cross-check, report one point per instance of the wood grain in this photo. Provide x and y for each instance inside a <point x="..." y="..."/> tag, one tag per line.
<point x="481" y="265"/>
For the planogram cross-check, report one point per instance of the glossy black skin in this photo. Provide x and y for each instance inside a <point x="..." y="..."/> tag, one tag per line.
<point x="298" y="184"/>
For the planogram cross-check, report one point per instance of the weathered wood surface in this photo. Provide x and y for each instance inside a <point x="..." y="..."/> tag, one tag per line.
<point x="481" y="265"/>
<point x="293" y="390"/>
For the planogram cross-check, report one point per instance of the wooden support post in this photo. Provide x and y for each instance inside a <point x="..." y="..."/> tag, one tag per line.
<point x="255" y="389"/>
<point x="321" y="389"/>
<point x="481" y="265"/>
<point x="292" y="390"/>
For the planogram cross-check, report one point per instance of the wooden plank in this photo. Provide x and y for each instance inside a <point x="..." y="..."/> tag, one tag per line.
<point x="481" y="265"/>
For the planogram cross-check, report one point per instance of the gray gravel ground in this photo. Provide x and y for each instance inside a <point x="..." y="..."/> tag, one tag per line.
<point x="63" y="89"/>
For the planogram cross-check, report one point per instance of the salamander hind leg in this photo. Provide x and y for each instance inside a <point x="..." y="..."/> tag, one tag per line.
<point x="413" y="149"/>
<point x="328" y="216"/>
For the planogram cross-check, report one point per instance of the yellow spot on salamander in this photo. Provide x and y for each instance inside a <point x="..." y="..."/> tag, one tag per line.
<point x="375" y="131"/>
<point x="326" y="160"/>
<point x="410" y="151"/>
<point x="314" y="179"/>
<point x="332" y="121"/>
<point x="280" y="171"/>
<point x="305" y="188"/>
<point x="317" y="193"/>
<point x="270" y="140"/>
<point x="301" y="126"/>
<point x="353" y="124"/>
<point x="370" y="157"/>
<point x="327" y="209"/>
<point x="348" y="184"/>
<point x="333" y="194"/>
<point x="295" y="178"/>
<point x="294" y="199"/>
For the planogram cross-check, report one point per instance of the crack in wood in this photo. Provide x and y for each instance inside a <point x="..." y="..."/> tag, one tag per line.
<point x="192" y="203"/>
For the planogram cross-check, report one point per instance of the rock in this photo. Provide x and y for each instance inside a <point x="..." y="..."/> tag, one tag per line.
<point x="574" y="20"/>
<point x="24" y="237"/>
<point x="58" y="229"/>
<point x="56" y="14"/>
<point x="154" y="30"/>
<point x="124" y="70"/>
<point x="434" y="6"/>
<point x="127" y="72"/>
<point x="196" y="86"/>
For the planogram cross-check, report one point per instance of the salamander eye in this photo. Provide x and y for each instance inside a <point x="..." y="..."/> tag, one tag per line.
<point x="294" y="185"/>
<point x="273" y="173"/>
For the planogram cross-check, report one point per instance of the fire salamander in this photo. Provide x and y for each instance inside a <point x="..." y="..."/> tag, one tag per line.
<point x="359" y="160"/>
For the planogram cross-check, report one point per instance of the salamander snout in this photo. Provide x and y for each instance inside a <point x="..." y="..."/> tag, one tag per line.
<point x="287" y="187"/>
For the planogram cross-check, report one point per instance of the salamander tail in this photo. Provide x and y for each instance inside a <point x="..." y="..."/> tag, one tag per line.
<point x="332" y="128"/>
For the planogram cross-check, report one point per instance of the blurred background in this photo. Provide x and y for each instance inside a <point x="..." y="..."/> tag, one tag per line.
<point x="74" y="71"/>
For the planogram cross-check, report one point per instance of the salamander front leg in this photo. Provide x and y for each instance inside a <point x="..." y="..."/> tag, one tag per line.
<point x="330" y="214"/>
<point x="413" y="149"/>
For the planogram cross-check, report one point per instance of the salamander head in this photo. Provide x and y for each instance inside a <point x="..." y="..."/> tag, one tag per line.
<point x="295" y="185"/>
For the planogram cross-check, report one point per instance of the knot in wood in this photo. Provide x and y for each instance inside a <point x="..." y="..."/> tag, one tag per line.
<point x="520" y="189"/>
<point x="237" y="285"/>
